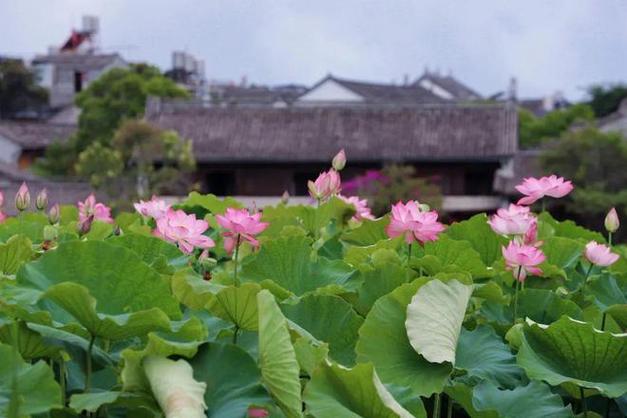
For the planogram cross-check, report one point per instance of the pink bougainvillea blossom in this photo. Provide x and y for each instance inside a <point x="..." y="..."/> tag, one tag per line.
<point x="185" y="230"/>
<point x="239" y="223"/>
<point x="412" y="223"/>
<point x="522" y="259"/>
<point x="599" y="254"/>
<point x="535" y="189"/>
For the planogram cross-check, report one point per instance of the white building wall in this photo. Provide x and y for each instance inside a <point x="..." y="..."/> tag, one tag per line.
<point x="9" y="151"/>
<point x="330" y="91"/>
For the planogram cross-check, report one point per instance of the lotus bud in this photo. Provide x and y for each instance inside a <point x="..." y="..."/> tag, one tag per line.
<point x="85" y="225"/>
<point x="205" y="261"/>
<point x="22" y="198"/>
<point x="173" y="385"/>
<point x="339" y="161"/>
<point x="313" y="190"/>
<point x="611" y="221"/>
<point x="41" y="202"/>
<point x="285" y="197"/>
<point x="54" y="216"/>
<point x="255" y="412"/>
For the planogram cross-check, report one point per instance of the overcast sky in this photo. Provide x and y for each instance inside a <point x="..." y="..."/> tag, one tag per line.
<point x="547" y="45"/>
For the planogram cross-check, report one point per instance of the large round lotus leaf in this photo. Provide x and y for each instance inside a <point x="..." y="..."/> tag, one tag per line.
<point x="108" y="289"/>
<point x="237" y="305"/>
<point x="434" y="319"/>
<point x="619" y="313"/>
<point x="533" y="400"/>
<point x="277" y="359"/>
<point x="288" y="261"/>
<point x="575" y="352"/>
<point x="330" y="319"/>
<point x="544" y="306"/>
<point x="151" y="250"/>
<point x="483" y="355"/>
<point x="448" y="256"/>
<point x="477" y="231"/>
<point x="368" y="233"/>
<point x="233" y="380"/>
<point x="37" y="391"/>
<point x="335" y="391"/>
<point x="608" y="290"/>
<point x="562" y="252"/>
<point x="383" y="341"/>
<point x="16" y="251"/>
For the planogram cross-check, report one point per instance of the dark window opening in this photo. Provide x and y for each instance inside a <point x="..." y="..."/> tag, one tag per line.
<point x="300" y="182"/>
<point x="78" y="81"/>
<point x="478" y="183"/>
<point x="221" y="183"/>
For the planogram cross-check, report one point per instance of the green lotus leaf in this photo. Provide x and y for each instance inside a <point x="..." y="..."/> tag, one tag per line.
<point x="383" y="341"/>
<point x="330" y="319"/>
<point x="384" y="273"/>
<point x="575" y="352"/>
<point x="106" y="288"/>
<point x="16" y="251"/>
<point x="310" y="354"/>
<point x="358" y="255"/>
<point x="182" y="340"/>
<point x="237" y="304"/>
<point x="569" y="229"/>
<point x="192" y="291"/>
<point x="35" y="391"/>
<point x="483" y="355"/>
<point x="434" y="319"/>
<point x="533" y="400"/>
<point x="289" y="262"/>
<point x="490" y="292"/>
<point x="277" y="359"/>
<point x="201" y="204"/>
<point x="479" y="234"/>
<point x="31" y="225"/>
<point x="619" y="313"/>
<point x="608" y="290"/>
<point x="151" y="249"/>
<point x="562" y="252"/>
<point x="448" y="255"/>
<point x="462" y="395"/>
<point x="99" y="230"/>
<point x="335" y="391"/>
<point x="233" y="380"/>
<point x="31" y="345"/>
<point x="368" y="233"/>
<point x="90" y="402"/>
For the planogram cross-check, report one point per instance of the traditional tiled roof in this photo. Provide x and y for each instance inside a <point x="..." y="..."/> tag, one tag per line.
<point x="456" y="88"/>
<point x="414" y="133"/>
<point x="34" y="135"/>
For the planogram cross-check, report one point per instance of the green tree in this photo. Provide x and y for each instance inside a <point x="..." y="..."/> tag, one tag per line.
<point x="140" y="160"/>
<point x="535" y="130"/>
<point x="118" y="95"/>
<point x="606" y="99"/>
<point x="595" y="162"/>
<point x="19" y="90"/>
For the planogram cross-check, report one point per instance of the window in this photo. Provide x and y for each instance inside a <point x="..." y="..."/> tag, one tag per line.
<point x="78" y="81"/>
<point x="221" y="183"/>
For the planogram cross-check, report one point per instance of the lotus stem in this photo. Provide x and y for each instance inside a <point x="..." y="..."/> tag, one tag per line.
<point x="609" y="239"/>
<point x="408" y="252"/>
<point x="235" y="259"/>
<point x="235" y="333"/>
<point x="88" y="364"/>
<point x="436" y="406"/>
<point x="583" y="287"/>
<point x="584" y="405"/>
<point x="543" y="205"/>
<point x="603" y="321"/>
<point x="62" y="373"/>
<point x="516" y="295"/>
<point x="449" y="412"/>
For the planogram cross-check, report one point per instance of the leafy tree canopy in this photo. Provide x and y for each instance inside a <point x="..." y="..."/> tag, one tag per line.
<point x="534" y="130"/>
<point x="19" y="91"/>
<point x="606" y="99"/>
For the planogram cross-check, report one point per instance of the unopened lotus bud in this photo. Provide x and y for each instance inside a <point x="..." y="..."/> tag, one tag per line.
<point x="54" y="215"/>
<point x="424" y="207"/>
<point x="41" y="203"/>
<point x="285" y="197"/>
<point x="85" y="226"/>
<point x="313" y="190"/>
<point x="611" y="221"/>
<point x="205" y="261"/>
<point x="339" y="161"/>
<point x="22" y="198"/>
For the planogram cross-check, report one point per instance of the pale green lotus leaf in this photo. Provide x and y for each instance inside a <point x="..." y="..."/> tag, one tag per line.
<point x="434" y="319"/>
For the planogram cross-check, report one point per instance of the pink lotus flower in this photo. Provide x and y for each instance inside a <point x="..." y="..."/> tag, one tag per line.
<point x="362" y="211"/>
<point x="611" y="221"/>
<point x="522" y="259"/>
<point x="154" y="208"/>
<point x="184" y="230"/>
<point x="339" y="161"/>
<point x="22" y="198"/>
<point x="535" y="189"/>
<point x="409" y="221"/>
<point x="515" y="220"/>
<point x="326" y="185"/>
<point x="90" y="210"/>
<point x="599" y="254"/>
<point x="240" y="223"/>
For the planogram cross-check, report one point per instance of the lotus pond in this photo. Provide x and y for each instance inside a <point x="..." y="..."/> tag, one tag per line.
<point x="205" y="309"/>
